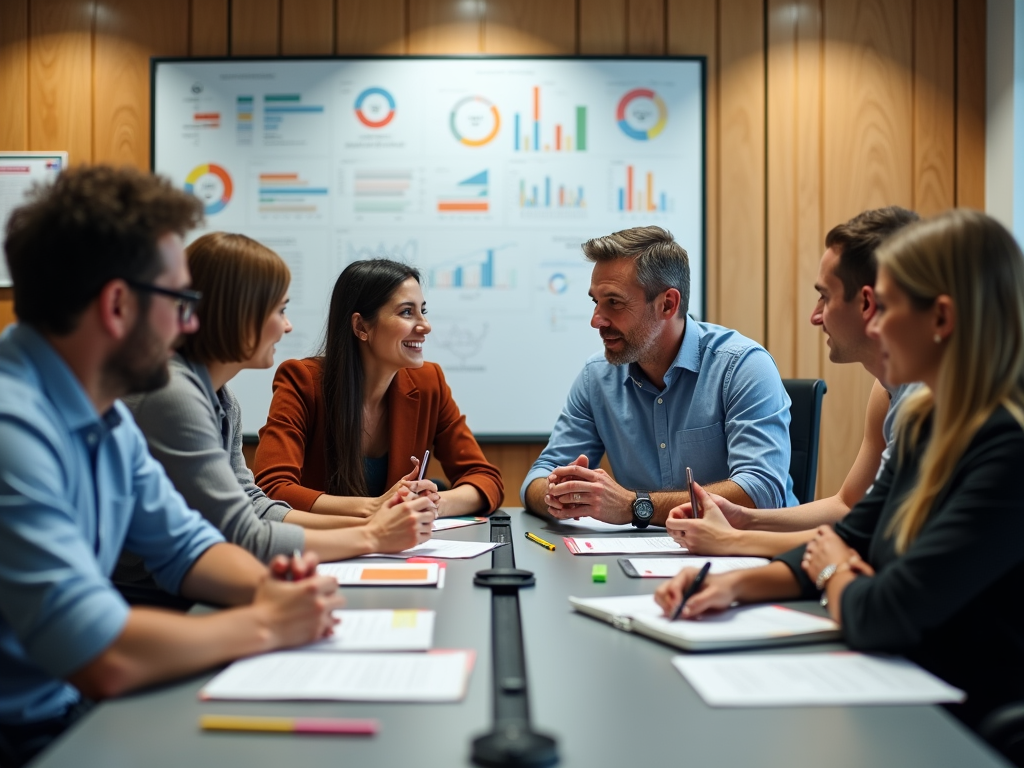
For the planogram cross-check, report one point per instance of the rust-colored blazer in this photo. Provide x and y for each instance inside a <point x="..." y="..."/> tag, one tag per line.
<point x="290" y="461"/>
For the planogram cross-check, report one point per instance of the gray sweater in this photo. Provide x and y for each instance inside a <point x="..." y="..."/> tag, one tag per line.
<point x="196" y="434"/>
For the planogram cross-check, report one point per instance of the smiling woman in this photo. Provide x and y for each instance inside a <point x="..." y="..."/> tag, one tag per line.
<point x="346" y="429"/>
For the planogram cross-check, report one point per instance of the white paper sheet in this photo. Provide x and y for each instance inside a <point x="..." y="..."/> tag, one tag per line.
<point x="812" y="679"/>
<point x="448" y="523"/>
<point x="380" y="630"/>
<point x="636" y="545"/>
<point x="448" y="550"/>
<point x="666" y="567"/>
<point x="315" y="676"/>
<point x="382" y="574"/>
<point x="593" y="525"/>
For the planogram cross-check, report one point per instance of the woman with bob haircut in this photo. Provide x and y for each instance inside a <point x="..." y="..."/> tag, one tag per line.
<point x="929" y="564"/>
<point x="193" y="425"/>
<point x="347" y="428"/>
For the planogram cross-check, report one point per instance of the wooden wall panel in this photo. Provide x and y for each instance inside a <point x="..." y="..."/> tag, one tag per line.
<point x="868" y="162"/>
<point x="741" y="130"/>
<point x="970" y="103"/>
<point x="208" y="28"/>
<point x="692" y="30"/>
<point x="14" y="75"/>
<point x="646" y="27"/>
<point x="446" y="26"/>
<point x="934" y="68"/>
<point x="530" y="27"/>
<point x="794" y="238"/>
<point x="255" y="27"/>
<point x="602" y="27"/>
<point x="60" y="77"/>
<point x="128" y="32"/>
<point x="307" y="27"/>
<point x="378" y="27"/>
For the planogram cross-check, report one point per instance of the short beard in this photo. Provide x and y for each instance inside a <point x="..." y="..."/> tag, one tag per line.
<point x="139" y="364"/>
<point x="639" y="345"/>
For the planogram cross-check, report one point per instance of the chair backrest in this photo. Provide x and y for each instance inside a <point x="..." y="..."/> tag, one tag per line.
<point x="804" y="426"/>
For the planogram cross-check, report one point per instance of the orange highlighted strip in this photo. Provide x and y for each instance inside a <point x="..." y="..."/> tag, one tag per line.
<point x="464" y="206"/>
<point x="393" y="574"/>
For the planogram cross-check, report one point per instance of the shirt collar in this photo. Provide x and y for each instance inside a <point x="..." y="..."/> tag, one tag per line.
<point x="688" y="356"/>
<point x="60" y="385"/>
<point x="203" y="374"/>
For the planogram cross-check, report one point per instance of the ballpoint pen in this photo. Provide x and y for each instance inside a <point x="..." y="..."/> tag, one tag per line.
<point x="691" y="591"/>
<point x="539" y="540"/>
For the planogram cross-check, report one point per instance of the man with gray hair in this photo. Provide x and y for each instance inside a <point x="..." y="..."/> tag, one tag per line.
<point x="669" y="392"/>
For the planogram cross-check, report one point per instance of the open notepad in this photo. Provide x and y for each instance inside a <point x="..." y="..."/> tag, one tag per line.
<point x="379" y="630"/>
<point x="666" y="567"/>
<point x="350" y="574"/>
<point x="314" y="676"/>
<point x="633" y="545"/>
<point x="744" y="627"/>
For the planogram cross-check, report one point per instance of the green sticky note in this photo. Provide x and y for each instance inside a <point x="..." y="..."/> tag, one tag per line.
<point x="599" y="573"/>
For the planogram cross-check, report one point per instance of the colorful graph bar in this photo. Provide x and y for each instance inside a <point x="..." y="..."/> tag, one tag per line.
<point x="470" y="195"/>
<point x="288" y="192"/>
<point x="560" y="197"/>
<point x="469" y="275"/>
<point x="528" y="138"/>
<point x="637" y="197"/>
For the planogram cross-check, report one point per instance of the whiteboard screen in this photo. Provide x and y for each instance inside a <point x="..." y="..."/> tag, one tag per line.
<point x="485" y="173"/>
<point x="19" y="172"/>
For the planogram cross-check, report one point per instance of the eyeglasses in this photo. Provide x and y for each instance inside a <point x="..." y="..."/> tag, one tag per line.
<point x="186" y="301"/>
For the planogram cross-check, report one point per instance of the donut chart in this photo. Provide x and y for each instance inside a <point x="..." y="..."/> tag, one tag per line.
<point x="632" y="121"/>
<point x="206" y="191"/>
<point x="370" y="93"/>
<point x="469" y="121"/>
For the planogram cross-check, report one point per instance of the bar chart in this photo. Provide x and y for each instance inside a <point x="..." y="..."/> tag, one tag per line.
<point x="286" y="119"/>
<point x="383" y="190"/>
<point x="475" y="270"/>
<point x="545" y="194"/>
<point x="468" y="195"/>
<point x="531" y="135"/>
<point x="289" y="194"/>
<point x="636" y="191"/>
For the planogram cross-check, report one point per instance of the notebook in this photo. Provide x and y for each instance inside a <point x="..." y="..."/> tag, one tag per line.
<point x="749" y="626"/>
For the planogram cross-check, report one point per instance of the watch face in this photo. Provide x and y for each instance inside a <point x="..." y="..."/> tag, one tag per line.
<point x="643" y="509"/>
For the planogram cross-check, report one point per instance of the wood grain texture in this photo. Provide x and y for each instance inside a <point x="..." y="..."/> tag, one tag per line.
<point x="741" y="131"/>
<point x="970" y="103"/>
<point x="692" y="27"/>
<point x="934" y="106"/>
<point x="14" y="75"/>
<point x="374" y="28"/>
<point x="868" y="162"/>
<point x="646" y="27"/>
<point x="794" y="183"/>
<point x="446" y="26"/>
<point x="307" y="27"/>
<point x="60" y="77"/>
<point x="128" y="32"/>
<point x="208" y="28"/>
<point x="530" y="27"/>
<point x="602" y="27"/>
<point x="255" y="28"/>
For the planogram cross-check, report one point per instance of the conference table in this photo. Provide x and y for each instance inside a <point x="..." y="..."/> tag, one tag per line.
<point x="609" y="697"/>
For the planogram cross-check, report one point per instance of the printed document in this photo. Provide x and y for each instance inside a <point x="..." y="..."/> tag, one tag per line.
<point x="350" y="574"/>
<point x="448" y="550"/>
<point x="593" y="525"/>
<point x="666" y="567"/>
<point x="379" y="630"/>
<point x="634" y="545"/>
<point x="313" y="676"/>
<point x="447" y="523"/>
<point x="812" y="679"/>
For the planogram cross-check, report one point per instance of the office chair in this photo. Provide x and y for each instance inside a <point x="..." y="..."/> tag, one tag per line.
<point x="804" y="426"/>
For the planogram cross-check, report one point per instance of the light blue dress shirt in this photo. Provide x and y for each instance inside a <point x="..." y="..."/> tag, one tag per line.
<point x="75" y="486"/>
<point x="723" y="412"/>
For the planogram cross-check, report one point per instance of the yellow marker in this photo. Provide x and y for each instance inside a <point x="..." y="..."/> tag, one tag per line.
<point x="540" y="541"/>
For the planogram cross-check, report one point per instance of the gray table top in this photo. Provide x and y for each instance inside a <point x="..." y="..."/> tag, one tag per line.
<point x="609" y="697"/>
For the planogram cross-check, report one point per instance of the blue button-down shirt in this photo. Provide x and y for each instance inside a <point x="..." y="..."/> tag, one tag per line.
<point x="723" y="412"/>
<point x="75" y="486"/>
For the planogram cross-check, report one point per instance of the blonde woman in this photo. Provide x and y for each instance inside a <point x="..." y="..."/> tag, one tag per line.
<point x="930" y="564"/>
<point x="193" y="425"/>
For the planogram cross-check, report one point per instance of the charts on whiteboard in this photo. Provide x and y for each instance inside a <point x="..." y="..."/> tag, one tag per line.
<point x="485" y="174"/>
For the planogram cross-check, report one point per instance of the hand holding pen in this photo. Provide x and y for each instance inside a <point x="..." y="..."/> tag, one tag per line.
<point x="691" y="593"/>
<point x="695" y="586"/>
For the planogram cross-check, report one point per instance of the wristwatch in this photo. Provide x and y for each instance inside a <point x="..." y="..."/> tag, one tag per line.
<point x="822" y="581"/>
<point x="643" y="509"/>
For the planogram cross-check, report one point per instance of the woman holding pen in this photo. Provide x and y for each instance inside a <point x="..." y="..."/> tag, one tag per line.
<point x="929" y="564"/>
<point x="346" y="428"/>
<point x="193" y="425"/>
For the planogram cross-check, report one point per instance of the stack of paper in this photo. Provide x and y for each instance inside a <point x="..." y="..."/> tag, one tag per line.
<point x="812" y="679"/>
<point x="635" y="545"/>
<point x="666" y="567"/>
<point x="313" y="676"/>
<point x="593" y="525"/>
<point x="381" y="575"/>
<point x="449" y="550"/>
<point x="380" y="630"/>
<point x="447" y="523"/>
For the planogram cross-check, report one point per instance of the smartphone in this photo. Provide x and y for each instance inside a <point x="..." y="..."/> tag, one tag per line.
<point x="695" y="508"/>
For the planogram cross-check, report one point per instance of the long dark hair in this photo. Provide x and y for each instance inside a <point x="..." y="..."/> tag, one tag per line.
<point x="363" y="287"/>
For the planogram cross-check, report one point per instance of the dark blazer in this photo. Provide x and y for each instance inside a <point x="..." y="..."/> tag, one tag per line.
<point x="290" y="461"/>
<point x="954" y="601"/>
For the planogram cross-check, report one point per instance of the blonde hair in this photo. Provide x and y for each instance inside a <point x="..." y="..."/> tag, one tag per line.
<point x="241" y="281"/>
<point x="972" y="259"/>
